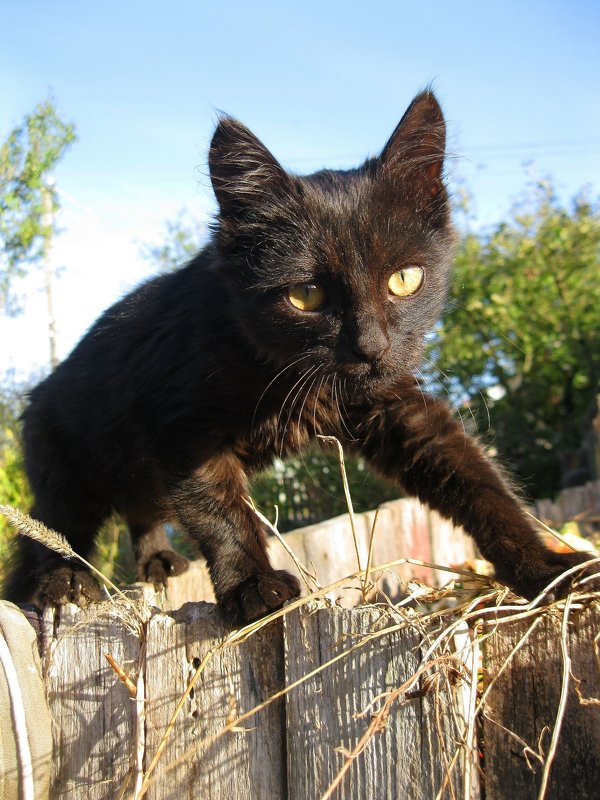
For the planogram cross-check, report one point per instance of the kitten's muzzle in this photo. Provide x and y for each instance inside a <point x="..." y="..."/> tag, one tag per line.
<point x="370" y="345"/>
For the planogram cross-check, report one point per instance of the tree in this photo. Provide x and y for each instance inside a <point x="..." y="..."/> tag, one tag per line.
<point x="522" y="335"/>
<point x="14" y="489"/>
<point x="183" y="239"/>
<point x="28" y="196"/>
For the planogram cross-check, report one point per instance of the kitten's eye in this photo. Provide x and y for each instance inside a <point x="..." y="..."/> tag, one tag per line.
<point x="307" y="296"/>
<point x="406" y="281"/>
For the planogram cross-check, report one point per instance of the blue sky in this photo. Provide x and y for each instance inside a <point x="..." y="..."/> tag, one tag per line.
<point x="322" y="83"/>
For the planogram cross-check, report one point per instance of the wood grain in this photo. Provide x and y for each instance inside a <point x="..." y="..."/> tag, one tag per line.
<point x="326" y="715"/>
<point x="93" y="714"/>
<point x="242" y="765"/>
<point x="521" y="710"/>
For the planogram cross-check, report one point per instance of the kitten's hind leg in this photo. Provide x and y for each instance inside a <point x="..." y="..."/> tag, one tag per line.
<point x="41" y="575"/>
<point x="156" y="561"/>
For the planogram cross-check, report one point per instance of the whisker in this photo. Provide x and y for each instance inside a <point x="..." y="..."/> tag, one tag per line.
<point x="300" y="380"/>
<point x="311" y="373"/>
<point x="277" y="376"/>
<point x="423" y="398"/>
<point x="343" y="389"/>
<point x="470" y="410"/>
<point x="334" y="394"/>
<point x="306" y="396"/>
<point x="487" y="408"/>
<point x="318" y="392"/>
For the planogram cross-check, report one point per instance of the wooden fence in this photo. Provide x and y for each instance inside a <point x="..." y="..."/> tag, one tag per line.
<point x="577" y="503"/>
<point x="367" y="690"/>
<point x="400" y="529"/>
<point x="413" y="702"/>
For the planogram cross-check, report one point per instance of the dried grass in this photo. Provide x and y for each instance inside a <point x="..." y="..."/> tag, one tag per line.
<point x="33" y="529"/>
<point x="440" y="616"/>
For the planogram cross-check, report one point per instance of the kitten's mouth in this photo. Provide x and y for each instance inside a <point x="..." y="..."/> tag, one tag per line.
<point x="364" y="378"/>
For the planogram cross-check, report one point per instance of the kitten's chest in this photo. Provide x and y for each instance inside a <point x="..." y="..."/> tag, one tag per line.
<point x="291" y="425"/>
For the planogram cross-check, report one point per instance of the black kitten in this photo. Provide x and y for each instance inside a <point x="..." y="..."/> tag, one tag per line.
<point x="305" y="315"/>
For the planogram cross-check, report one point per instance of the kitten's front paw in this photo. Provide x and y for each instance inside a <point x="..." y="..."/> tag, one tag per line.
<point x="161" y="566"/>
<point x="258" y="596"/>
<point x="66" y="584"/>
<point x="543" y="570"/>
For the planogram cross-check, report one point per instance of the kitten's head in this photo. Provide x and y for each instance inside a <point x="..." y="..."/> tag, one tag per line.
<point x="345" y="270"/>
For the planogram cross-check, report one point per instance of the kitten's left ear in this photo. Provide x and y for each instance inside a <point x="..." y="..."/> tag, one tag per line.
<point x="242" y="170"/>
<point x="417" y="147"/>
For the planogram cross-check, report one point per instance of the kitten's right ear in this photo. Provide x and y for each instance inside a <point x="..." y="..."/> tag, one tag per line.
<point x="417" y="147"/>
<point x="242" y="170"/>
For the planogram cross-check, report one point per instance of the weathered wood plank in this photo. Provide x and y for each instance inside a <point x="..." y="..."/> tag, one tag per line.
<point x="95" y="718"/>
<point x="402" y="531"/>
<point x="408" y="758"/>
<point x="572" y="503"/>
<point x="522" y="707"/>
<point x="248" y="764"/>
<point x="93" y="713"/>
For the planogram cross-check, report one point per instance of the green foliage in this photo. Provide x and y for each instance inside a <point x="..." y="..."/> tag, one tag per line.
<point x="14" y="489"/>
<point x="183" y="239"/>
<point x="309" y="488"/>
<point x="113" y="553"/>
<point x="28" y="198"/>
<point x="522" y="335"/>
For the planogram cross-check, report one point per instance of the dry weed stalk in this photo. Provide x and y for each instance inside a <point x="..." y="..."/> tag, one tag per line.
<point x="340" y="449"/>
<point x="122" y="675"/>
<point x="33" y="529"/>
<point x="440" y="653"/>
<point x="305" y="573"/>
<point x="468" y="612"/>
<point x="562" y="704"/>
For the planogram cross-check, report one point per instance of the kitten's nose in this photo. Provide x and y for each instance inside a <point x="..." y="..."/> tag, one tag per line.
<point x="371" y="344"/>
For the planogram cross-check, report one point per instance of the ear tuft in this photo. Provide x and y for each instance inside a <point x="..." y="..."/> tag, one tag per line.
<point x="242" y="170"/>
<point x="417" y="147"/>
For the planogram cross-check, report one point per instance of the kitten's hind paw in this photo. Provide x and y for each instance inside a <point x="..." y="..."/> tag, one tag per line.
<point x="259" y="596"/>
<point x="66" y="584"/>
<point x="161" y="566"/>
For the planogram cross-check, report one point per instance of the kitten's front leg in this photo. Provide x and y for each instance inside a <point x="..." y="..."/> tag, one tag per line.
<point x="414" y="440"/>
<point x="212" y="508"/>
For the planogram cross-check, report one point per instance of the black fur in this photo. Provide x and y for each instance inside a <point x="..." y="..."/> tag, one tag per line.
<point x="197" y="378"/>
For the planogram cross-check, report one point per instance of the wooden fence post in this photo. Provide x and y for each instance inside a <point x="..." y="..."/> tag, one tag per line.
<point x="104" y="740"/>
<point x="525" y="668"/>
<point x="94" y="724"/>
<point x="245" y="764"/>
<point x="412" y="754"/>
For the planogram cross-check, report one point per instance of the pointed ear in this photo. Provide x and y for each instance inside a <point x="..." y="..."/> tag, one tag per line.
<point x="416" y="148"/>
<point x="242" y="170"/>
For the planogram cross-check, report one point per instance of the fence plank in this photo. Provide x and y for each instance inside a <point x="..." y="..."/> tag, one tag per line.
<point x="248" y="764"/>
<point x="522" y="706"/>
<point x="407" y="758"/>
<point x="95" y="717"/>
<point x="93" y="713"/>
<point x="577" y="502"/>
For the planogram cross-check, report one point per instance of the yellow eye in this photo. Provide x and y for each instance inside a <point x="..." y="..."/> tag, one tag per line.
<point x="307" y="296"/>
<point x="406" y="281"/>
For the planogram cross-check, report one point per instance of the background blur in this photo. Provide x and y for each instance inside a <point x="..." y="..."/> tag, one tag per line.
<point x="127" y="94"/>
